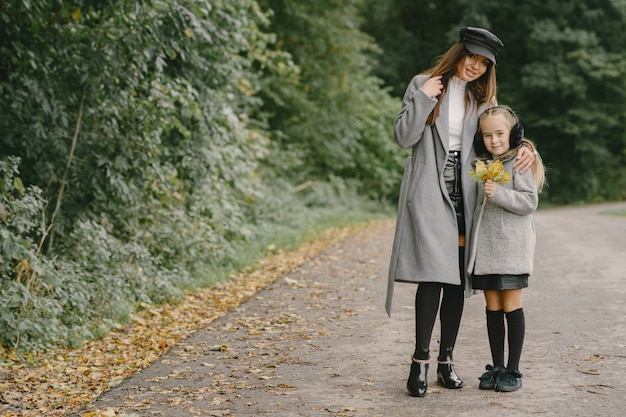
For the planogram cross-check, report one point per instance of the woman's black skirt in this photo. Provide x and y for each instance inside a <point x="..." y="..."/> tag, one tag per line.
<point x="499" y="282"/>
<point x="452" y="178"/>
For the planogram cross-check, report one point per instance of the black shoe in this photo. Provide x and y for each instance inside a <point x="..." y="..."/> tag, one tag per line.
<point x="417" y="385"/>
<point x="509" y="381"/>
<point x="489" y="379"/>
<point x="446" y="375"/>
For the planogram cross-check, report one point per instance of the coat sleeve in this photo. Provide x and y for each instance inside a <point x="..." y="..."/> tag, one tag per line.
<point x="411" y="121"/>
<point x="522" y="199"/>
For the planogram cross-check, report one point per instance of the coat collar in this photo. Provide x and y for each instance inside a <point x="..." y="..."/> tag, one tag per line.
<point x="442" y="124"/>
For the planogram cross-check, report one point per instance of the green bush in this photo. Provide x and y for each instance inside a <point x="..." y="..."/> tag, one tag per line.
<point x="150" y="138"/>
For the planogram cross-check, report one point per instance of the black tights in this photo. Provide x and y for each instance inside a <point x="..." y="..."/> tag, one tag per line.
<point x="427" y="301"/>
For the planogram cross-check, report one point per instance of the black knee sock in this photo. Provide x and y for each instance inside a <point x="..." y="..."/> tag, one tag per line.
<point x="516" y="330"/>
<point x="495" y="332"/>
<point x="426" y="306"/>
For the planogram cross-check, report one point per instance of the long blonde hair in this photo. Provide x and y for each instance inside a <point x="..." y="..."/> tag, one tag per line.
<point x="482" y="90"/>
<point x="539" y="171"/>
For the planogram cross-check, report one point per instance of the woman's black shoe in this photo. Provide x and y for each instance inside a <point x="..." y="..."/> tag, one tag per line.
<point x="417" y="385"/>
<point x="445" y="371"/>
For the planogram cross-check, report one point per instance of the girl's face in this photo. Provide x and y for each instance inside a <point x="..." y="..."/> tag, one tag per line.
<point x="472" y="67"/>
<point x="496" y="134"/>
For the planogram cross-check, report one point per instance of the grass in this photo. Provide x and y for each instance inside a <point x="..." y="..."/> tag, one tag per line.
<point x="619" y="213"/>
<point x="275" y="238"/>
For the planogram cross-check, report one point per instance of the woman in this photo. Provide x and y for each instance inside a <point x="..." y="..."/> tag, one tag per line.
<point x="438" y="120"/>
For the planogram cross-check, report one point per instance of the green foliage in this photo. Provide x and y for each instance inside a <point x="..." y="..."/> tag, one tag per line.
<point x="335" y="119"/>
<point x="562" y="69"/>
<point x="25" y="288"/>
<point x="411" y="34"/>
<point x="150" y="167"/>
<point x="147" y="136"/>
<point x="572" y="97"/>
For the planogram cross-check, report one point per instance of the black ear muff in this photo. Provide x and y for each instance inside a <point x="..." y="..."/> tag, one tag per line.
<point x="479" y="144"/>
<point x="517" y="133"/>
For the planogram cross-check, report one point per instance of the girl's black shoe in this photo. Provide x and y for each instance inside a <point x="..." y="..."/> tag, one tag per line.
<point x="509" y="381"/>
<point x="489" y="379"/>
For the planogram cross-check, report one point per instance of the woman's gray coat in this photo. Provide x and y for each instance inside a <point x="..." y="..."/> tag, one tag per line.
<point x="425" y="247"/>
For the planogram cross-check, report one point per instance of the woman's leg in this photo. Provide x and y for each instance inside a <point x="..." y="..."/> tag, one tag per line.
<point x="450" y="316"/>
<point x="426" y="306"/>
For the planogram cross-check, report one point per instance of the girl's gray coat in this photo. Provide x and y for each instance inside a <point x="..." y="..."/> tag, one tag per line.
<point x="425" y="247"/>
<point x="503" y="238"/>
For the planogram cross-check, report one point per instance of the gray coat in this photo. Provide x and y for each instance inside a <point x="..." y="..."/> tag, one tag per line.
<point x="425" y="247"/>
<point x="503" y="239"/>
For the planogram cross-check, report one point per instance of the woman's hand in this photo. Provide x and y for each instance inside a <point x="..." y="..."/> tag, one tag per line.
<point x="490" y="188"/>
<point x="525" y="159"/>
<point x="432" y="87"/>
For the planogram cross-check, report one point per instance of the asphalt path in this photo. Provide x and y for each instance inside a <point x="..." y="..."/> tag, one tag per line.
<point x="318" y="342"/>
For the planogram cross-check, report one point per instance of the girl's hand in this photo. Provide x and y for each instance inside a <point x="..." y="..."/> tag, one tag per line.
<point x="432" y="87"/>
<point x="490" y="188"/>
<point x="525" y="159"/>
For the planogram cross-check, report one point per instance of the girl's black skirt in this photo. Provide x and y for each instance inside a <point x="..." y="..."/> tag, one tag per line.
<point x="499" y="282"/>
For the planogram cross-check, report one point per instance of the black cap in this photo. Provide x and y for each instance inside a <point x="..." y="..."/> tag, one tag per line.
<point x="481" y="42"/>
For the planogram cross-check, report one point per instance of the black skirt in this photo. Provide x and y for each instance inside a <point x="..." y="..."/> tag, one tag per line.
<point x="452" y="179"/>
<point x="499" y="282"/>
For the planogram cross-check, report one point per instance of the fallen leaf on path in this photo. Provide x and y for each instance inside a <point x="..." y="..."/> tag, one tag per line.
<point x="65" y="380"/>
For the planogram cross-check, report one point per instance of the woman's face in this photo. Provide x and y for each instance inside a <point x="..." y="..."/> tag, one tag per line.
<point x="472" y="67"/>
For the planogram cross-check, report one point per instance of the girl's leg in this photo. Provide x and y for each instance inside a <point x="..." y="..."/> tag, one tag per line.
<point x="512" y="300"/>
<point x="496" y="334"/>
<point x="495" y="326"/>
<point x="511" y="380"/>
<point x="493" y="299"/>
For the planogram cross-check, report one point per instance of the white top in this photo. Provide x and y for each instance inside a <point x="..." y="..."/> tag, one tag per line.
<point x="456" y="93"/>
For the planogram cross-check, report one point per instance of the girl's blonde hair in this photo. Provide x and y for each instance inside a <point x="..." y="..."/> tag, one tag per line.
<point x="482" y="90"/>
<point x="539" y="171"/>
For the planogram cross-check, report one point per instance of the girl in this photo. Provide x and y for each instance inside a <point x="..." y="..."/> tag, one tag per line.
<point x="503" y="242"/>
<point x="438" y="121"/>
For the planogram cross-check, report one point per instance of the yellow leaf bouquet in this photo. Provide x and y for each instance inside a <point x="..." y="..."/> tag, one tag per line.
<point x="493" y="171"/>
